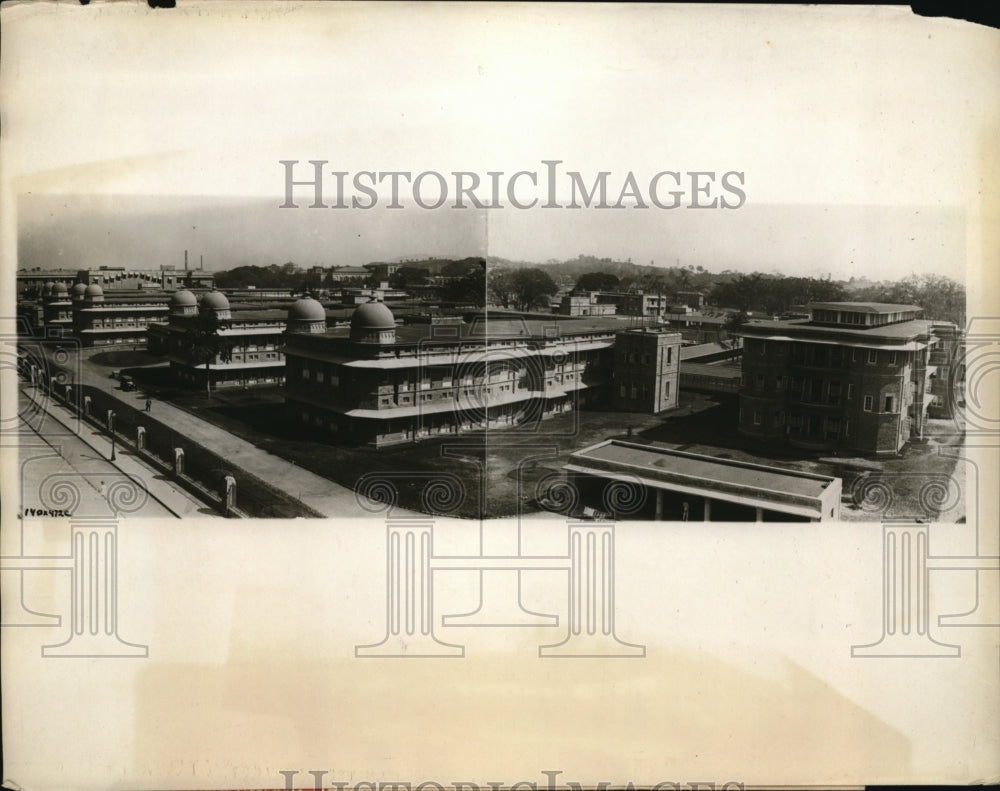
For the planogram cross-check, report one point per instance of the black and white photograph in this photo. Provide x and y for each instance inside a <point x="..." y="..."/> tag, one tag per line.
<point x="535" y="336"/>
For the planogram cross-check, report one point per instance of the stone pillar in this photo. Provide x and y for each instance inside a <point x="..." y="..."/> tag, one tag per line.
<point x="758" y="515"/>
<point x="905" y="597"/>
<point x="658" y="516"/>
<point x="707" y="517"/>
<point x="178" y="461"/>
<point x="140" y="438"/>
<point x="592" y="596"/>
<point x="409" y="595"/>
<point x="500" y="588"/>
<point x="229" y="493"/>
<point x="94" y="594"/>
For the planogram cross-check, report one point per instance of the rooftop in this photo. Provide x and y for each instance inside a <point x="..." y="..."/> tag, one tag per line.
<point x="799" y="329"/>
<point x="754" y="484"/>
<point x="866" y="307"/>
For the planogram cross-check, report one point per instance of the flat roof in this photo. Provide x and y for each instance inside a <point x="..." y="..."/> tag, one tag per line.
<point x="703" y="350"/>
<point x="708" y="468"/>
<point x="866" y="307"/>
<point x="804" y="329"/>
<point x="707" y="369"/>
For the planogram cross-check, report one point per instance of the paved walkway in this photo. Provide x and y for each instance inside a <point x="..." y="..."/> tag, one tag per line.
<point x="320" y="494"/>
<point x="87" y="450"/>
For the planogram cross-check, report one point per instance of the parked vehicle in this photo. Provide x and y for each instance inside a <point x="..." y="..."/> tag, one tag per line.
<point x="128" y="383"/>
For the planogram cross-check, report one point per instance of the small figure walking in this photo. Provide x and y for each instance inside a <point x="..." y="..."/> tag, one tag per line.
<point x="686" y="512"/>
<point x="149" y="405"/>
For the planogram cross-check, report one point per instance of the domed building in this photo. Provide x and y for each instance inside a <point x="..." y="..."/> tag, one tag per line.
<point x="381" y="383"/>
<point x="116" y="319"/>
<point x="306" y="315"/>
<point x="183" y="303"/>
<point x="57" y="310"/>
<point x="373" y="322"/>
<point x="216" y="302"/>
<point x="249" y="343"/>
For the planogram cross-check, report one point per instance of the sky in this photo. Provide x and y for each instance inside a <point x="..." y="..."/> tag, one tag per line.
<point x="860" y="133"/>
<point x="76" y="232"/>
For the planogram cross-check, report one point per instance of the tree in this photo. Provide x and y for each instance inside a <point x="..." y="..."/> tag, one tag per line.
<point x="500" y="287"/>
<point x="532" y="288"/>
<point x="466" y="266"/>
<point x="469" y="289"/>
<point x="596" y="281"/>
<point x="204" y="344"/>
<point x="407" y="276"/>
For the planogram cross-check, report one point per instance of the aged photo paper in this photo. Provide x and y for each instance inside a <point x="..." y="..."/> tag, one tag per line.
<point x="613" y="401"/>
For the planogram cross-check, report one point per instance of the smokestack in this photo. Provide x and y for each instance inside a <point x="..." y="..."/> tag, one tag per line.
<point x="185" y="260"/>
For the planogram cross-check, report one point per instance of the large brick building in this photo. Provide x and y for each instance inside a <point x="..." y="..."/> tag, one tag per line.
<point x="254" y="339"/>
<point x="379" y="383"/>
<point x="645" y="370"/>
<point x="854" y="376"/>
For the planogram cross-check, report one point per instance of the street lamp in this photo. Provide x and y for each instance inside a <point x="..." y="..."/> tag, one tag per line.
<point x="111" y="431"/>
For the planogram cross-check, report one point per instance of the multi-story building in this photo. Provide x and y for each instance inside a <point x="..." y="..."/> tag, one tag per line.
<point x="585" y="305"/>
<point x="693" y="299"/>
<point x="636" y="304"/>
<point x="252" y="337"/>
<point x="33" y="282"/>
<point x="854" y="376"/>
<point x="379" y="383"/>
<point x="57" y="309"/>
<point x="124" y="318"/>
<point x="166" y="278"/>
<point x="645" y="370"/>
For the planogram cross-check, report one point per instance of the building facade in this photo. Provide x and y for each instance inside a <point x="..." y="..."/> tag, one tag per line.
<point x="853" y="377"/>
<point x="99" y="320"/>
<point x="645" y="370"/>
<point x="253" y="338"/>
<point x="585" y="305"/>
<point x="378" y="383"/>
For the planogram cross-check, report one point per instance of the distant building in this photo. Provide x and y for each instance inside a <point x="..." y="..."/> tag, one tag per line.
<point x="169" y="279"/>
<point x="639" y="304"/>
<point x="381" y="270"/>
<point x="122" y="318"/>
<point x="342" y="273"/>
<point x="34" y="281"/>
<point x="57" y="309"/>
<point x="645" y="370"/>
<point x="693" y="299"/>
<point x="585" y="305"/>
<point x="854" y="376"/>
